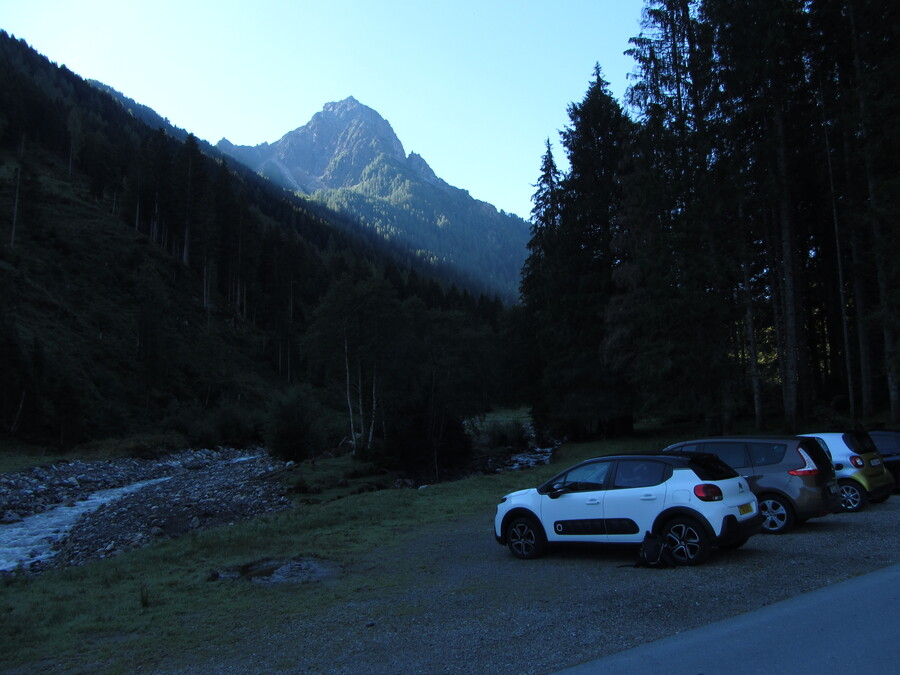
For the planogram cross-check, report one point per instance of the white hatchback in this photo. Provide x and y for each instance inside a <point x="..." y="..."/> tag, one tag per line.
<point x="693" y="501"/>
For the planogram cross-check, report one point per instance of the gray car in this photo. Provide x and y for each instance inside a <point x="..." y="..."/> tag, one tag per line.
<point x="792" y="478"/>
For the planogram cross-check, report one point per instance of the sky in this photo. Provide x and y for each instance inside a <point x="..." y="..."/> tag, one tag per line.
<point x="475" y="87"/>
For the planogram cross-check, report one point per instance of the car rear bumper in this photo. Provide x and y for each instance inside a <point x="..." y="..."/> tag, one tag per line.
<point x="880" y="491"/>
<point x="734" y="530"/>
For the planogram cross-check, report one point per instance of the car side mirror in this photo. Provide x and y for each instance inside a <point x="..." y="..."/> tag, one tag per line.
<point x="556" y="490"/>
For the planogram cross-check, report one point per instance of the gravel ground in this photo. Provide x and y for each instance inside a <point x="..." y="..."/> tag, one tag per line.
<point x="463" y="604"/>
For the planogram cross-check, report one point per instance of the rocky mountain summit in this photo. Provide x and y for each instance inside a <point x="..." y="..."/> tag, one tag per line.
<point x="348" y="158"/>
<point x="331" y="151"/>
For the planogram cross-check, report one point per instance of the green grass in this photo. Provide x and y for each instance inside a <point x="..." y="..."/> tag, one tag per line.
<point x="135" y="602"/>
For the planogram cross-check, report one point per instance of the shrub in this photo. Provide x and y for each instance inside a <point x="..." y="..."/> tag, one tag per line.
<point x="294" y="428"/>
<point x="507" y="434"/>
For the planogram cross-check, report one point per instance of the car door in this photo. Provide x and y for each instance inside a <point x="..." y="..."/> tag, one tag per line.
<point x="636" y="495"/>
<point x="573" y="509"/>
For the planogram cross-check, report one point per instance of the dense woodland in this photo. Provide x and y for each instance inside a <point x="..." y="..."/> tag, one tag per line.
<point x="719" y="247"/>
<point x="726" y="244"/>
<point x="147" y="286"/>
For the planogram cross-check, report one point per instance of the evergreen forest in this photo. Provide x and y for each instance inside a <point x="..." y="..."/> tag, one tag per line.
<point x="718" y="249"/>
<point x="725" y="245"/>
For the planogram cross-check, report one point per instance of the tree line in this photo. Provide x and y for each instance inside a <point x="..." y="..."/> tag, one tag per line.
<point x="725" y="244"/>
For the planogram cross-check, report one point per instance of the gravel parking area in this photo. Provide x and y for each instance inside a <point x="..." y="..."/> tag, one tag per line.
<point x="463" y="604"/>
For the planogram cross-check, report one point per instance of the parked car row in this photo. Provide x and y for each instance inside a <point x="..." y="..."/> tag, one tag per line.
<point x="700" y="494"/>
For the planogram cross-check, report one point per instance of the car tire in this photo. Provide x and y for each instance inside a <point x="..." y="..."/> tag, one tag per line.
<point x="687" y="540"/>
<point x="525" y="538"/>
<point x="853" y="496"/>
<point x="778" y="514"/>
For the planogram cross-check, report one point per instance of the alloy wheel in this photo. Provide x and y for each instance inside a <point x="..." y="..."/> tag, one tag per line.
<point x="522" y="539"/>
<point x="775" y="515"/>
<point x="851" y="497"/>
<point x="685" y="542"/>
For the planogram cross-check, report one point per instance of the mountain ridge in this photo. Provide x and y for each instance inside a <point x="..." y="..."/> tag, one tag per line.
<point x="349" y="158"/>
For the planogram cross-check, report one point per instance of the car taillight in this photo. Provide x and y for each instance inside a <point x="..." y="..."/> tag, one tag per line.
<point x="809" y="467"/>
<point x="857" y="461"/>
<point x="708" y="493"/>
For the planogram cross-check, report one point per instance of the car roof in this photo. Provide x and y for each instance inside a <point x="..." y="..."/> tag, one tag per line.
<point x="783" y="438"/>
<point x="667" y="457"/>
<point x="740" y="437"/>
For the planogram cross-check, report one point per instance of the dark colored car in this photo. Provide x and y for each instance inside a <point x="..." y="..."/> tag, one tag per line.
<point x="792" y="477"/>
<point x="888" y="444"/>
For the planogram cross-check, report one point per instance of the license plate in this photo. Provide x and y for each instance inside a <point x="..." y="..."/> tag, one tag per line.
<point x="744" y="509"/>
<point x="875" y="462"/>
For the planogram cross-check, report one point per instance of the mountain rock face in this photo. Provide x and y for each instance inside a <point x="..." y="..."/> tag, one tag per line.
<point x="349" y="158"/>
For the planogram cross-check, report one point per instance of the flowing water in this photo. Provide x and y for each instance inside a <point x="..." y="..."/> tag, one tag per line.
<point x="31" y="539"/>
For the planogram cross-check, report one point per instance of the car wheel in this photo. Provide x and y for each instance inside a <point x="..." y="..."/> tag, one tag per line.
<point x="525" y="537"/>
<point x="687" y="540"/>
<point x="853" y="496"/>
<point x="778" y="515"/>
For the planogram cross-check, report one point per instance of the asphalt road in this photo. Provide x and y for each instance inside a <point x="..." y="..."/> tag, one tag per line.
<point x="851" y="626"/>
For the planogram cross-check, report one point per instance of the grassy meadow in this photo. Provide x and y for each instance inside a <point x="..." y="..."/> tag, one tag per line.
<point x="161" y="594"/>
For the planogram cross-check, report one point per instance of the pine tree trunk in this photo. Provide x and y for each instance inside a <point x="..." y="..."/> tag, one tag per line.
<point x="752" y="355"/>
<point x="349" y="398"/>
<point x="790" y="385"/>
<point x="15" y="214"/>
<point x="842" y="291"/>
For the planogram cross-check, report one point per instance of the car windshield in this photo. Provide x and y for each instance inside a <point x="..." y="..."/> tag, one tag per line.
<point x="710" y="467"/>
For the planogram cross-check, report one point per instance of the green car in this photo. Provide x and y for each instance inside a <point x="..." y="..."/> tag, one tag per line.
<point x="859" y="468"/>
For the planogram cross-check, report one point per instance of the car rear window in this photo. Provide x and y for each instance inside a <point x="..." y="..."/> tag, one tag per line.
<point x="767" y="454"/>
<point x="710" y="467"/>
<point x="859" y="442"/>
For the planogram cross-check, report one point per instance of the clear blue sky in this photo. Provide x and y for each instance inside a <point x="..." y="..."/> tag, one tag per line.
<point x="475" y="87"/>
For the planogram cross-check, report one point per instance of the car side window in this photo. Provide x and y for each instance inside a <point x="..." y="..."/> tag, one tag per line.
<point x="733" y="454"/>
<point x="632" y="473"/>
<point x="586" y="477"/>
<point x="766" y="454"/>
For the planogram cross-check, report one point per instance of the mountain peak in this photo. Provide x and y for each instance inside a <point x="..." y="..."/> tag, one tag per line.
<point x="330" y="151"/>
<point x="348" y="104"/>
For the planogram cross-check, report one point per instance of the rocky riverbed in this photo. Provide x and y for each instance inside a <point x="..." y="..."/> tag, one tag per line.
<point x="187" y="491"/>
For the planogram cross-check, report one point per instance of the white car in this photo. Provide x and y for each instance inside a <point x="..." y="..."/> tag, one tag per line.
<point x="694" y="501"/>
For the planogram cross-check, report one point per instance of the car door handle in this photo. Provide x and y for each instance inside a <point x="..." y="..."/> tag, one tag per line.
<point x="592" y="502"/>
<point x="649" y="497"/>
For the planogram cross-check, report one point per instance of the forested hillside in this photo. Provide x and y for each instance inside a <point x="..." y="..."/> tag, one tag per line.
<point x="727" y="243"/>
<point x="147" y="287"/>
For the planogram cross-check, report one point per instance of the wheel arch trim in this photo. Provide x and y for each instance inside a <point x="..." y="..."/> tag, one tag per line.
<point x="515" y="513"/>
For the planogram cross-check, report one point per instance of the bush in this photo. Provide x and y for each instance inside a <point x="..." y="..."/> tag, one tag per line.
<point x="294" y="429"/>
<point x="507" y="434"/>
